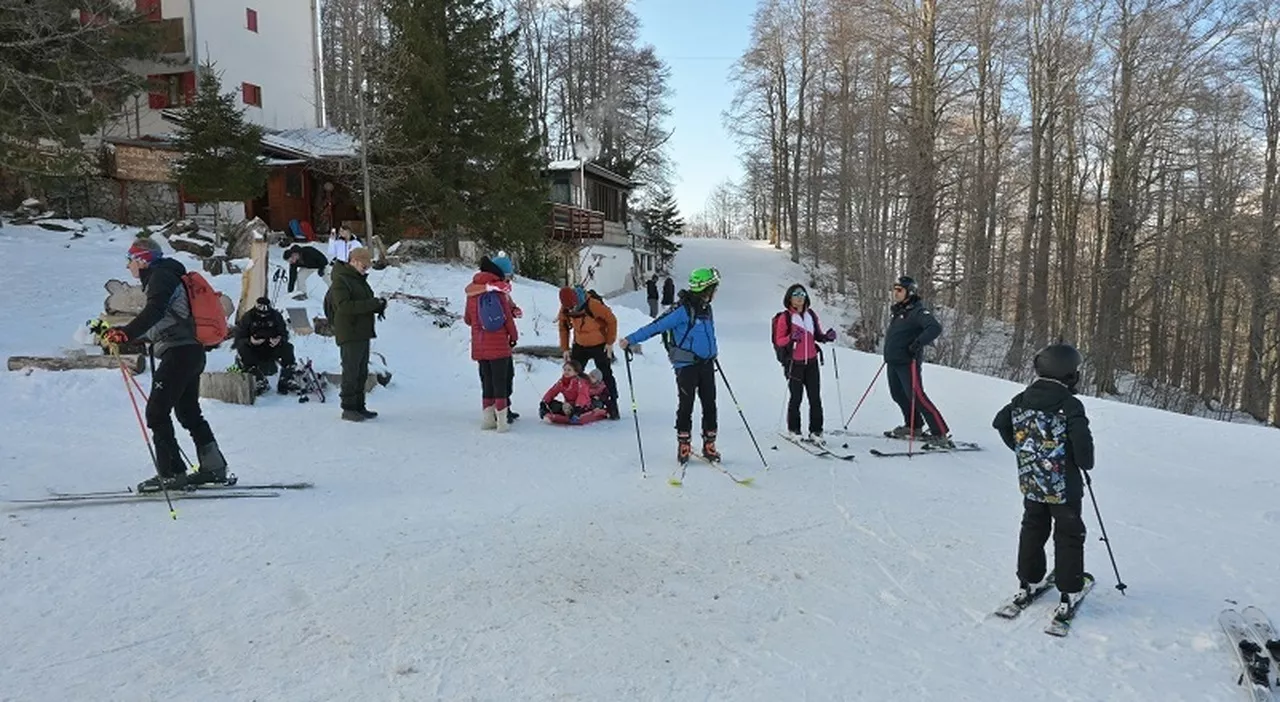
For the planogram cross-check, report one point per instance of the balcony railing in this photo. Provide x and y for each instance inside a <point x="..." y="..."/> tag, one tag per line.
<point x="569" y="223"/>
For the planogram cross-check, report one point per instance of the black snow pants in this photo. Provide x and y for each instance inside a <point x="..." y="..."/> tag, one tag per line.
<point x="1068" y="543"/>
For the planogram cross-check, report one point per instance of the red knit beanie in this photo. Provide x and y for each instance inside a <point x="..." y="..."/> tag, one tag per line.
<point x="144" y="249"/>
<point x="568" y="298"/>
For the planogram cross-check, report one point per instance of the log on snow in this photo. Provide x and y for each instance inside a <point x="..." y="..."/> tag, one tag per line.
<point x="236" y="388"/>
<point x="136" y="363"/>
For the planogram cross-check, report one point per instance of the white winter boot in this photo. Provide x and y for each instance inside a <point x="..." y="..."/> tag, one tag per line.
<point x="489" y="420"/>
<point x="503" y="423"/>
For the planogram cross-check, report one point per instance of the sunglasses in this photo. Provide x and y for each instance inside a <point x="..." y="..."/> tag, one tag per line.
<point x="799" y="293"/>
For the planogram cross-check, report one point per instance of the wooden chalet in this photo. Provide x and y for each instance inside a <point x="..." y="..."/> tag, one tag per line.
<point x="588" y="203"/>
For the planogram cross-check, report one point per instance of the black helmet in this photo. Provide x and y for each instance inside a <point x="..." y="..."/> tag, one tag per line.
<point x="1060" y="362"/>
<point x="907" y="283"/>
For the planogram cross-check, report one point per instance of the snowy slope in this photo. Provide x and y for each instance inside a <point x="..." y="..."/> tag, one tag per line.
<point x="436" y="562"/>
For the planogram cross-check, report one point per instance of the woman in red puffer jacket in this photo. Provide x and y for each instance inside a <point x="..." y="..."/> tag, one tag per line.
<point x="492" y="349"/>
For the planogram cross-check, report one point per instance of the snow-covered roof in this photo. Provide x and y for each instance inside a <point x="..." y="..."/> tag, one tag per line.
<point x="312" y="143"/>
<point x="574" y="164"/>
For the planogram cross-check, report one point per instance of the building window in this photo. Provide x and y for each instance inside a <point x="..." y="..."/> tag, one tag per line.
<point x="170" y="90"/>
<point x="607" y="200"/>
<point x="150" y="8"/>
<point x="252" y="94"/>
<point x="293" y="183"/>
<point x="251" y="19"/>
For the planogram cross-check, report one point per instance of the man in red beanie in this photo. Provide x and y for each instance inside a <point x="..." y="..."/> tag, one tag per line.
<point x="166" y="322"/>
<point x="594" y="329"/>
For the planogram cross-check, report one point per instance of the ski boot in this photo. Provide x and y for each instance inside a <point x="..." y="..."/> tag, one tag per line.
<point x="288" y="381"/>
<point x="936" y="442"/>
<point x="900" y="432"/>
<point x="169" y="482"/>
<point x="709" y="451"/>
<point x="260" y="384"/>
<point x="213" y="467"/>
<point x="684" y="449"/>
<point x="815" y="437"/>
<point x="1067" y="606"/>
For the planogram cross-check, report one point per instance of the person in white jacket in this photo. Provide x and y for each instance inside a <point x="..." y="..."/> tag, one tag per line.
<point x="341" y="244"/>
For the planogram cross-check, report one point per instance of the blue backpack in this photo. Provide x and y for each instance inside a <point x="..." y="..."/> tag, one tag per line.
<point x="492" y="316"/>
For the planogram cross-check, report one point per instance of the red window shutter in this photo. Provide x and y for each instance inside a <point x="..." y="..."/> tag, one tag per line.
<point x="85" y="17"/>
<point x="246" y="93"/>
<point x="189" y="87"/>
<point x="157" y="101"/>
<point x="150" y="8"/>
<point x="251" y="19"/>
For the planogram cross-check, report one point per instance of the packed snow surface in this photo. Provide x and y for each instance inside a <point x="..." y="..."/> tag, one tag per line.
<point x="433" y="561"/>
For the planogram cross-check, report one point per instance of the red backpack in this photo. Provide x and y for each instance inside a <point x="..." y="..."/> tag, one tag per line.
<point x="206" y="309"/>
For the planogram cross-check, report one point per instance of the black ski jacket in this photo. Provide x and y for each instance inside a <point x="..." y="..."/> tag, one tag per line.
<point x="262" y="325"/>
<point x="165" y="320"/>
<point x="911" y="323"/>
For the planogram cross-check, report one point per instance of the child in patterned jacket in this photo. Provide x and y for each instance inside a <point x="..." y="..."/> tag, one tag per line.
<point x="1046" y="426"/>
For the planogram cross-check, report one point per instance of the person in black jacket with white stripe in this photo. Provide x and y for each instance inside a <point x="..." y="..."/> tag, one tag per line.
<point x="912" y="326"/>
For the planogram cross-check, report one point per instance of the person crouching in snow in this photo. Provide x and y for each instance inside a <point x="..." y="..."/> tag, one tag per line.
<point x="493" y="334"/>
<point x="692" y="352"/>
<point x="577" y="407"/>
<point x="796" y="333"/>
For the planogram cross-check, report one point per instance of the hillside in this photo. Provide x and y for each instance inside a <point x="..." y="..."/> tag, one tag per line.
<point x="436" y="562"/>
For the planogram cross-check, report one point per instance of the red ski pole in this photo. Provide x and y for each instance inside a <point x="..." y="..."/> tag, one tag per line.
<point x="864" y="395"/>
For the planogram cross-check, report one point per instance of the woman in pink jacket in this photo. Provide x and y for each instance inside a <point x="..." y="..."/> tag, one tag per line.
<point x="796" y="333"/>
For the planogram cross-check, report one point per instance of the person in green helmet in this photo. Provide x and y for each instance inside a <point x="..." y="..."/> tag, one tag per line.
<point x="689" y="333"/>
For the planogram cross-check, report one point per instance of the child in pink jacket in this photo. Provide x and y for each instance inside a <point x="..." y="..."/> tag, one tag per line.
<point x="796" y="333"/>
<point x="577" y="406"/>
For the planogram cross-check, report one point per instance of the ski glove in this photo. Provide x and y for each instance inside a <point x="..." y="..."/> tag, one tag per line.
<point x="115" y="336"/>
<point x="914" y="349"/>
<point x="830" y="335"/>
<point x="543" y="409"/>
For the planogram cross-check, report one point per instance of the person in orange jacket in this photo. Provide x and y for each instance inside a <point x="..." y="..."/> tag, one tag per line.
<point x="593" y="328"/>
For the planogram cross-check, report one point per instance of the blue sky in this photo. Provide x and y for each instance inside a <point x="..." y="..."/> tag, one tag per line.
<point x="699" y="40"/>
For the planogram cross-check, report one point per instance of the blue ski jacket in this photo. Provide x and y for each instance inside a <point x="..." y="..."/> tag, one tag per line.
<point x="691" y="332"/>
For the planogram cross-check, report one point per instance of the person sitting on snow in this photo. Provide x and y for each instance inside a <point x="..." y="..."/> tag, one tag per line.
<point x="262" y="340"/>
<point x="577" y="406"/>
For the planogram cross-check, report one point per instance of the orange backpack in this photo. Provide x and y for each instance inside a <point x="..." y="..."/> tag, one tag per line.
<point x="206" y="310"/>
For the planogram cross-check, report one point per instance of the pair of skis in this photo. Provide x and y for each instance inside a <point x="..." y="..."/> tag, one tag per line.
<point x="209" y="491"/>
<point x="824" y="451"/>
<point x="1059" y="624"/>
<point x="1257" y="649"/>
<point x="677" y="477"/>
<point x="920" y="448"/>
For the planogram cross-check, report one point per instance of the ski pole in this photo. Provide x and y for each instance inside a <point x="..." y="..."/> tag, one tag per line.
<point x="634" y="413"/>
<point x="911" y="426"/>
<point x="864" y="395"/>
<point x="143" y="393"/>
<point x="835" y="363"/>
<point x="124" y="371"/>
<point x="740" y="414"/>
<point x="1089" y="484"/>
<point x="786" y="398"/>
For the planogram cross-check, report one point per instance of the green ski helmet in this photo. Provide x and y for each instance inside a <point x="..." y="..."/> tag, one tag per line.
<point x="702" y="278"/>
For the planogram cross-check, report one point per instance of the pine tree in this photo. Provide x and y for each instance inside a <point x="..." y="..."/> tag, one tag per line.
<point x="221" y="153"/>
<point x="663" y="221"/>
<point x="457" y="157"/>
<point x="65" y="73"/>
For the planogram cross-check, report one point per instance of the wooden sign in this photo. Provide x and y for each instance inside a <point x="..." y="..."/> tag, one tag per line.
<point x="140" y="163"/>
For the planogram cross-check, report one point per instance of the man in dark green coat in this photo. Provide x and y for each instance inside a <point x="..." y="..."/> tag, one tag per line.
<point x="350" y="307"/>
